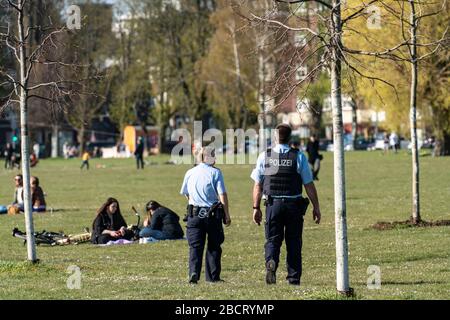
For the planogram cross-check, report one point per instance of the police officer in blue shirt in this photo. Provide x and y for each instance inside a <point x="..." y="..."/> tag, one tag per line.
<point x="204" y="187"/>
<point x="279" y="175"/>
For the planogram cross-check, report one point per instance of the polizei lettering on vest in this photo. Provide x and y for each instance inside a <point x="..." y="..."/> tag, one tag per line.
<point x="280" y="163"/>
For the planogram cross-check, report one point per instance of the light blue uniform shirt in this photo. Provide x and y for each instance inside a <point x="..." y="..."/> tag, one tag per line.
<point x="302" y="167"/>
<point x="203" y="184"/>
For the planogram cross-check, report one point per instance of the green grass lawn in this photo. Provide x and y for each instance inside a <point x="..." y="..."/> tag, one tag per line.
<point x="415" y="263"/>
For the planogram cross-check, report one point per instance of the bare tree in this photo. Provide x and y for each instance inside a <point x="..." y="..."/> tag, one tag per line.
<point x="407" y="50"/>
<point x="413" y="113"/>
<point x="413" y="59"/>
<point x="23" y="85"/>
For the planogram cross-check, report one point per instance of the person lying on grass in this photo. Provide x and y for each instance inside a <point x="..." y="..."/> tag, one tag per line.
<point x="161" y="223"/>
<point x="109" y="224"/>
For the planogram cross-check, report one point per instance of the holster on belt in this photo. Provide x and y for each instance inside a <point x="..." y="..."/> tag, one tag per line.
<point x="216" y="210"/>
<point x="219" y="212"/>
<point x="268" y="201"/>
<point x="303" y="204"/>
<point x="189" y="212"/>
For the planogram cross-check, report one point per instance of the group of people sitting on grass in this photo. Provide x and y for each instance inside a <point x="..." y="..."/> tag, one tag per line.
<point x="37" y="197"/>
<point x="161" y="223"/>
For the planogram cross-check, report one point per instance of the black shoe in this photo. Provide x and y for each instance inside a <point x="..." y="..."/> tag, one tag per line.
<point x="270" y="272"/>
<point x="294" y="282"/>
<point x="193" y="278"/>
<point x="217" y="281"/>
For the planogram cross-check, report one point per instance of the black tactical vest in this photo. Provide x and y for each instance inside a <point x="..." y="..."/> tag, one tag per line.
<point x="280" y="174"/>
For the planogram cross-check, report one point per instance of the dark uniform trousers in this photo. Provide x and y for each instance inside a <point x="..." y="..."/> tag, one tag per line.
<point x="196" y="232"/>
<point x="284" y="220"/>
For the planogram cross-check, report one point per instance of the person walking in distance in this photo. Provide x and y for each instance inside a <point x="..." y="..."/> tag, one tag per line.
<point x="314" y="158"/>
<point x="8" y="153"/>
<point x="139" y="153"/>
<point x="85" y="160"/>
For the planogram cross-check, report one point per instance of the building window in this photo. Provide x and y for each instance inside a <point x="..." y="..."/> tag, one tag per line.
<point x="301" y="73"/>
<point x="300" y="8"/>
<point x="300" y="40"/>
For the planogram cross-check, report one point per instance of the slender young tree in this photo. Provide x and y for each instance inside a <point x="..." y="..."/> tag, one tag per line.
<point x="413" y="48"/>
<point x="332" y="58"/>
<point x="413" y="114"/>
<point x="340" y="205"/>
<point x="23" y="86"/>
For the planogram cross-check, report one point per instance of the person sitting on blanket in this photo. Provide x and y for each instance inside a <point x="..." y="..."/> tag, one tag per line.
<point x="161" y="223"/>
<point x="17" y="206"/>
<point x="109" y="224"/>
<point x="37" y="196"/>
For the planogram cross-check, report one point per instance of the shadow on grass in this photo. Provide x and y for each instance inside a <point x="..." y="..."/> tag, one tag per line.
<point x="50" y="210"/>
<point x="380" y="226"/>
<point x="408" y="283"/>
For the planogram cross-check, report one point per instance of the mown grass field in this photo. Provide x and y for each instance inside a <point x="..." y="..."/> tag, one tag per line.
<point x="415" y="263"/>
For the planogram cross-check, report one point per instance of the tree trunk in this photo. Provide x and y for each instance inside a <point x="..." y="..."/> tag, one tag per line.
<point x="81" y="134"/>
<point x="446" y="144"/>
<point x="413" y="117"/>
<point x="316" y="114"/>
<point x="55" y="142"/>
<point x="262" y="102"/>
<point x="31" y="247"/>
<point x="242" y="110"/>
<point x="342" y="275"/>
<point x="354" y="122"/>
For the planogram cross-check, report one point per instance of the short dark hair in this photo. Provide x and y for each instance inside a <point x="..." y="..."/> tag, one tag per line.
<point x="284" y="133"/>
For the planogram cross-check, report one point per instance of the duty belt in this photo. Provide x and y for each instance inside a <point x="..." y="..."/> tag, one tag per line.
<point x="201" y="212"/>
<point x="269" y="200"/>
<point x="205" y="212"/>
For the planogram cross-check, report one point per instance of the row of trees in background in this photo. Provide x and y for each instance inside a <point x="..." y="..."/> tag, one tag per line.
<point x="194" y="58"/>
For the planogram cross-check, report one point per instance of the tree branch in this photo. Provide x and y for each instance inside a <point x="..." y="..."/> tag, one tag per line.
<point x="303" y="1"/>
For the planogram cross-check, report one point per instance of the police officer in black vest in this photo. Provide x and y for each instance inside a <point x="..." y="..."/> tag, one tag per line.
<point x="279" y="176"/>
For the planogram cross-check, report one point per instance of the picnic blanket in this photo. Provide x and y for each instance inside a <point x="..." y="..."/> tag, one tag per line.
<point x="117" y="242"/>
<point x="152" y="240"/>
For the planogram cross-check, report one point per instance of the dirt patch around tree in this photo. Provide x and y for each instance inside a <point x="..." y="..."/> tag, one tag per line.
<point x="380" y="226"/>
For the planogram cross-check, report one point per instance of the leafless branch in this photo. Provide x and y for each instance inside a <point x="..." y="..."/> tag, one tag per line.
<point x="15" y="6"/>
<point x="382" y="54"/>
<point x="284" y="25"/>
<point x="303" y="1"/>
<point x="436" y="49"/>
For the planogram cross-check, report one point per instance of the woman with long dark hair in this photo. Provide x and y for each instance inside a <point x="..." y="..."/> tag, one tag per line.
<point x="109" y="225"/>
<point x="161" y="223"/>
<point x="37" y="196"/>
